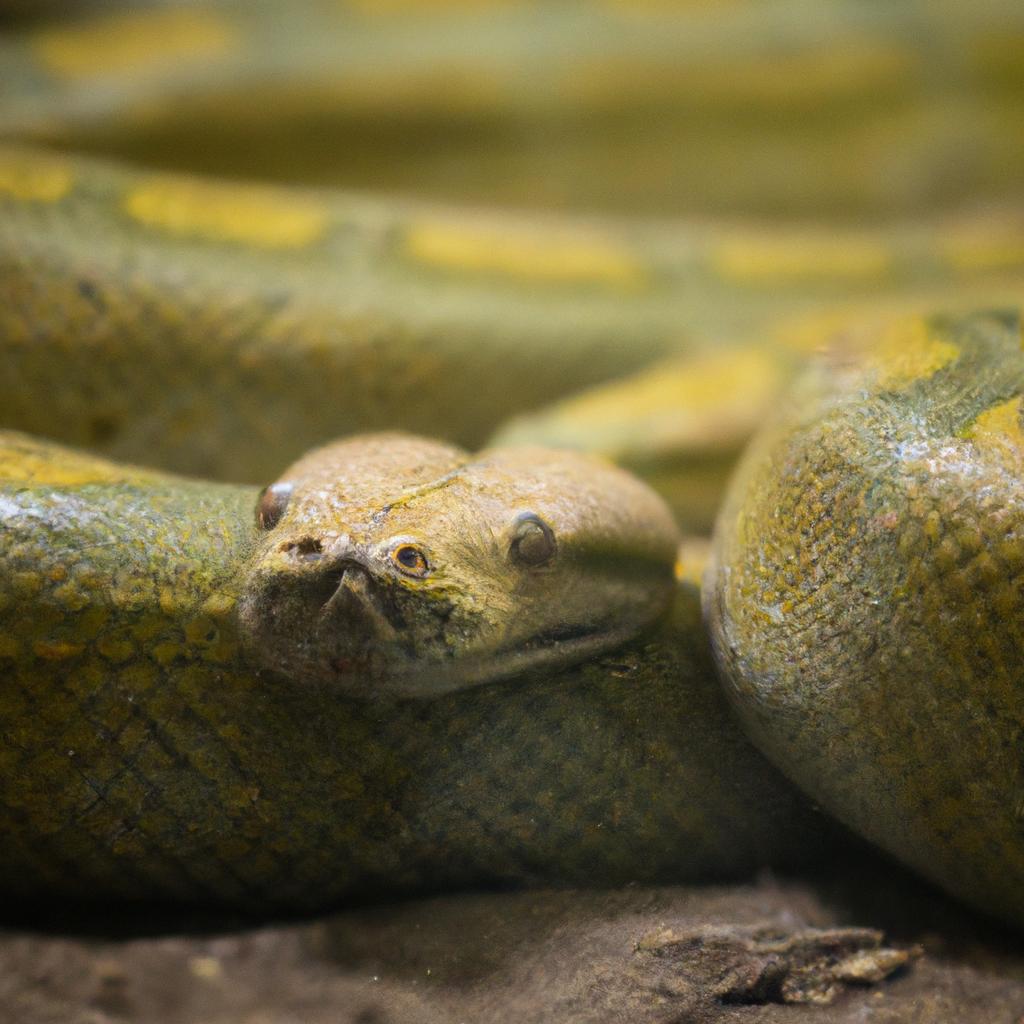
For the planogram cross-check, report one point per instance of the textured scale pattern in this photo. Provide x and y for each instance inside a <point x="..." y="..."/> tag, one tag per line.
<point x="160" y="314"/>
<point x="140" y="758"/>
<point x="868" y="604"/>
<point x="168" y="343"/>
<point x="867" y="601"/>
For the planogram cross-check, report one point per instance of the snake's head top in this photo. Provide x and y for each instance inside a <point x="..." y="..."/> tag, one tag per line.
<point x="389" y="565"/>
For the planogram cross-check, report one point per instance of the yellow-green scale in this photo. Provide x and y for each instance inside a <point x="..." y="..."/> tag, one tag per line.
<point x="867" y="600"/>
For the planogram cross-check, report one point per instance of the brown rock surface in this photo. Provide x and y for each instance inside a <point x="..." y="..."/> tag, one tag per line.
<point x="860" y="944"/>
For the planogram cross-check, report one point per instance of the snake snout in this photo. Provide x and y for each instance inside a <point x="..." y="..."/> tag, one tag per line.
<point x="354" y="601"/>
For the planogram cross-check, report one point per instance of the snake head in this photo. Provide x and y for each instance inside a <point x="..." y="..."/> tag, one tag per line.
<point x="393" y="566"/>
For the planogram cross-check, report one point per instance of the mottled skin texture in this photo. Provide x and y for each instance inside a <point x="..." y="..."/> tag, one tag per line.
<point x="866" y="605"/>
<point x="391" y="565"/>
<point x="141" y="758"/>
<point x="161" y="314"/>
<point x="679" y="424"/>
<point x="162" y="317"/>
<point x="220" y="328"/>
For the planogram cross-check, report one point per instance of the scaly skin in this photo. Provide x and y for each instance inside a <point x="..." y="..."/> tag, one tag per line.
<point x="222" y="330"/>
<point x="787" y="107"/>
<point x="141" y="758"/>
<point x="160" y="315"/>
<point x="679" y="424"/>
<point x="193" y="322"/>
<point x="865" y="601"/>
<point x="682" y="423"/>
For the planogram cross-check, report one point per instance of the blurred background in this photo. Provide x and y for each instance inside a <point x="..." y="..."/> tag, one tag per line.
<point x="847" y="109"/>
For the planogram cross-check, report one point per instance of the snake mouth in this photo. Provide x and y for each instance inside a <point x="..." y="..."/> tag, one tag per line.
<point x="342" y="619"/>
<point x="367" y="631"/>
<point x="356" y="601"/>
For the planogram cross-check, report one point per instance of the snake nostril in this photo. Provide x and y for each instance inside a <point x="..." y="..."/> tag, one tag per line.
<point x="306" y="549"/>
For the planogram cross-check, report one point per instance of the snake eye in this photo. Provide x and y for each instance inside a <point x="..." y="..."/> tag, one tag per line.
<point x="271" y="505"/>
<point x="533" y="541"/>
<point x="410" y="560"/>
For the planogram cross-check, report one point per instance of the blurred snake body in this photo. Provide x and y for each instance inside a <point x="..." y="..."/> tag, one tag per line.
<point x="155" y="747"/>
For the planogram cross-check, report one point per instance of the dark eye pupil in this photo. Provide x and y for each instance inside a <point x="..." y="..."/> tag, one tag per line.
<point x="410" y="557"/>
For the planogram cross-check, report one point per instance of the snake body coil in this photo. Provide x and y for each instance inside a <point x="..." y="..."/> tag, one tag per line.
<point x="183" y="692"/>
<point x="146" y="755"/>
<point x="866" y="602"/>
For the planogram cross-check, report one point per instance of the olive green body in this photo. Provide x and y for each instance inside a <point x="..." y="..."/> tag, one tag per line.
<point x="222" y="330"/>
<point x="790" y="107"/>
<point x="141" y="758"/>
<point x="217" y="328"/>
<point x="865" y="598"/>
<point x="682" y="423"/>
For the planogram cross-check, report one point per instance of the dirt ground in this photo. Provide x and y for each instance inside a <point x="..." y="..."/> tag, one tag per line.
<point x="862" y="943"/>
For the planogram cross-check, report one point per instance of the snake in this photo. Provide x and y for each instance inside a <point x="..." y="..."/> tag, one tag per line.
<point x="183" y="719"/>
<point x="160" y="742"/>
<point x="866" y="596"/>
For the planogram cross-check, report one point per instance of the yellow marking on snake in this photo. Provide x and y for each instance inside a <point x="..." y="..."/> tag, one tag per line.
<point x="811" y="333"/>
<point x="249" y="215"/>
<point x="908" y="352"/>
<point x="34" y="178"/>
<point x="698" y="403"/>
<point x="765" y="261"/>
<point x="713" y="379"/>
<point x="853" y="322"/>
<point x="692" y="560"/>
<point x="999" y="429"/>
<point x="71" y="469"/>
<point x="142" y="41"/>
<point x="526" y="256"/>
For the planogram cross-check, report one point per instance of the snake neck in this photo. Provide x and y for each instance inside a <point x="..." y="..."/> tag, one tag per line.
<point x="110" y="559"/>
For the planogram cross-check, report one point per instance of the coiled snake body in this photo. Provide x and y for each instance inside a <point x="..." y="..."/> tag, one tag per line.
<point x="177" y="719"/>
